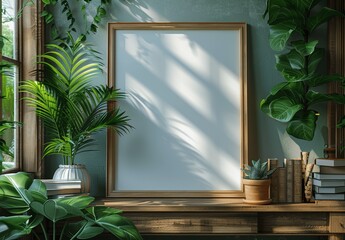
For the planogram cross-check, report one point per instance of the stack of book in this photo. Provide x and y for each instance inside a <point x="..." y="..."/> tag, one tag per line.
<point x="329" y="179"/>
<point x="287" y="181"/>
<point x="57" y="188"/>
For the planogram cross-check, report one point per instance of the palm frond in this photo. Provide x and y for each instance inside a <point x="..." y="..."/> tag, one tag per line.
<point x="69" y="105"/>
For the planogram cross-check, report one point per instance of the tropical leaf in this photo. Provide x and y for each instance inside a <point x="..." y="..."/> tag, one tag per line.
<point x="284" y="109"/>
<point x="116" y="224"/>
<point x="69" y="105"/>
<point x="321" y="17"/>
<point x="303" y="125"/>
<point x="280" y="34"/>
<point x="314" y="59"/>
<point x="14" y="227"/>
<point x="318" y="80"/>
<point x="12" y="195"/>
<point x="303" y="48"/>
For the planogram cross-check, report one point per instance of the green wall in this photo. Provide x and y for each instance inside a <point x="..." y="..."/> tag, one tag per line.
<point x="267" y="137"/>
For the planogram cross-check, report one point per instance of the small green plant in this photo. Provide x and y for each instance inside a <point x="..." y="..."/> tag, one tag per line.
<point x="258" y="170"/>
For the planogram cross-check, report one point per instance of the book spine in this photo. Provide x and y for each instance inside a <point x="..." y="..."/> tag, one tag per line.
<point x="282" y="184"/>
<point x="298" y="182"/>
<point x="289" y="180"/>
<point x="274" y="189"/>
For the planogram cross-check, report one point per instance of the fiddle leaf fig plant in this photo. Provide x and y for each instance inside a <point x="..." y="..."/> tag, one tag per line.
<point x="292" y="101"/>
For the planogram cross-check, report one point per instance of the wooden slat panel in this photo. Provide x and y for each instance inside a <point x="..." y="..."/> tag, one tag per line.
<point x="187" y="223"/>
<point x="293" y="223"/>
<point x="337" y="223"/>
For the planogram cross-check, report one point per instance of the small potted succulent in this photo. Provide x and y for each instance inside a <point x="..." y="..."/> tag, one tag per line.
<point x="257" y="182"/>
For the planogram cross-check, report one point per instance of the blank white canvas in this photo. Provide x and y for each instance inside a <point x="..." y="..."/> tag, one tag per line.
<point x="184" y="100"/>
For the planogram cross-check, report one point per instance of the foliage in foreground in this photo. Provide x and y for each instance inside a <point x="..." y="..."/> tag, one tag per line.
<point x="25" y="200"/>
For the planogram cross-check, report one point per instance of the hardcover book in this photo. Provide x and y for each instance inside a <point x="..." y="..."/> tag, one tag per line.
<point x="328" y="183"/>
<point x="297" y="181"/>
<point x="329" y="189"/>
<point x="274" y="189"/>
<point x="57" y="188"/>
<point x="322" y="176"/>
<point x="340" y="162"/>
<point x="282" y="184"/>
<point x="329" y="196"/>
<point x="329" y="170"/>
<point x="289" y="180"/>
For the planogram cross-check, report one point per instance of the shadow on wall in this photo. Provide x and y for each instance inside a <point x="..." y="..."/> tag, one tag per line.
<point x="191" y="121"/>
<point x="135" y="7"/>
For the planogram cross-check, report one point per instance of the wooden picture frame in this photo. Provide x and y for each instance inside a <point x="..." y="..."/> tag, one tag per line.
<point x="186" y="86"/>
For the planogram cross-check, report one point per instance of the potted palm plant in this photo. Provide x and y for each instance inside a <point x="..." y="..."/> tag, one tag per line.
<point x="71" y="108"/>
<point x="257" y="183"/>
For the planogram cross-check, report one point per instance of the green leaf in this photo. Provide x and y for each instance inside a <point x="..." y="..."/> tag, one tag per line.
<point x="304" y="5"/>
<point x="283" y="109"/>
<point x="80" y="202"/>
<point x="322" y="17"/>
<point x="280" y="34"/>
<point x="291" y="66"/>
<point x="303" y="48"/>
<point x="315" y="81"/>
<point x="278" y="87"/>
<point x="303" y="125"/>
<point x="314" y="59"/>
<point x="90" y="232"/>
<point x="12" y="194"/>
<point x="50" y="210"/>
<point x="14" y="227"/>
<point x="296" y="60"/>
<point x="117" y="225"/>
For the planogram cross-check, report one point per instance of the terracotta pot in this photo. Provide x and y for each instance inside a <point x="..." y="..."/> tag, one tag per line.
<point x="257" y="191"/>
<point x="74" y="172"/>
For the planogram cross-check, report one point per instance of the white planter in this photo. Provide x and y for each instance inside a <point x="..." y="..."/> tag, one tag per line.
<point x="74" y="172"/>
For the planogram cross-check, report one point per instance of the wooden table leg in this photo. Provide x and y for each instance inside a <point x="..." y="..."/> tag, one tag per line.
<point x="336" y="237"/>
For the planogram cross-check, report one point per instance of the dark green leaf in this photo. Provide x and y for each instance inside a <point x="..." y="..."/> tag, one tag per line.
<point x="283" y="109"/>
<point x="303" y="125"/>
<point x="280" y="34"/>
<point x="322" y="17"/>
<point x="314" y="59"/>
<point x="305" y="49"/>
<point x="315" y="81"/>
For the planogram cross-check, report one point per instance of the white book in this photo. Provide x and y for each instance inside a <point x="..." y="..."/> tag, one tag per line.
<point x="330" y="162"/>
<point x="329" y="196"/>
<point x="52" y="184"/>
<point x="328" y="183"/>
<point x="328" y="176"/>
<point x="329" y="189"/>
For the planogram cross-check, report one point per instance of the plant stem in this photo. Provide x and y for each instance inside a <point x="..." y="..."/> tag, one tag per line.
<point x="63" y="230"/>
<point x="44" y="232"/>
<point x="36" y="235"/>
<point x="54" y="230"/>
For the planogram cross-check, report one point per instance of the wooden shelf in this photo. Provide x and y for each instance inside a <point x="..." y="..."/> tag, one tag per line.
<point x="231" y="216"/>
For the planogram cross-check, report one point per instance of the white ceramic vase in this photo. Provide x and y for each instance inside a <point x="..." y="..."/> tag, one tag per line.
<point x="74" y="172"/>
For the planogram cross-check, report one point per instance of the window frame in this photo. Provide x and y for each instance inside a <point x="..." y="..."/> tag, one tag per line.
<point x="30" y="135"/>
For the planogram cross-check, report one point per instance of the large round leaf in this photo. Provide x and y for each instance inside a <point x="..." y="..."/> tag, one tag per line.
<point x="304" y="48"/>
<point x="303" y="125"/>
<point x="279" y="35"/>
<point x="284" y="109"/>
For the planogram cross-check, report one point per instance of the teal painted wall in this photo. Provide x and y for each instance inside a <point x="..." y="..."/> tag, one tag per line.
<point x="267" y="137"/>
